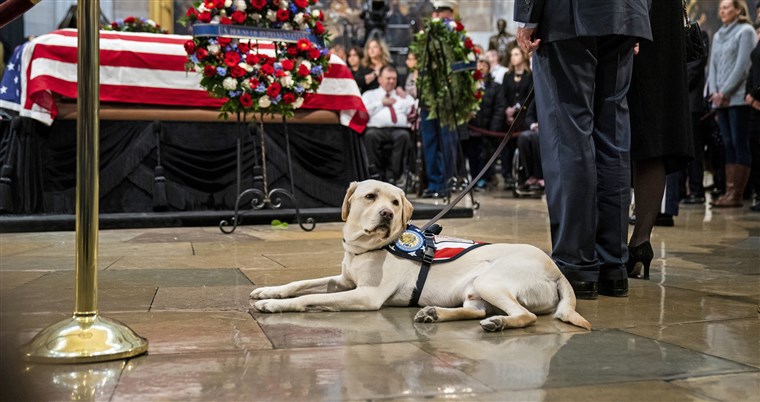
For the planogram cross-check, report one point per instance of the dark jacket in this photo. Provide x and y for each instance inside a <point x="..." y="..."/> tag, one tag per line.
<point x="753" y="80"/>
<point x="566" y="19"/>
<point x="696" y="71"/>
<point x="491" y="114"/>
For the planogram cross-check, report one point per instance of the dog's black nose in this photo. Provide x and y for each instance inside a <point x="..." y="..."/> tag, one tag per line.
<point x="386" y="213"/>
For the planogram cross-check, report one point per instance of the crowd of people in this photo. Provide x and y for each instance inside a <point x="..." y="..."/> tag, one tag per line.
<point x="619" y="107"/>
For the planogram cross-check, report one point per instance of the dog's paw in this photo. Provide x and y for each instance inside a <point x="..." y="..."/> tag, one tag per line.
<point x="267" y="292"/>
<point x="492" y="324"/>
<point x="268" y="306"/>
<point x="426" y="314"/>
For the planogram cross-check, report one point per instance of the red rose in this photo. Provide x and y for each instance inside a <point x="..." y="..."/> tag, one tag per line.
<point x="243" y="47"/>
<point x="283" y="15"/>
<point x="303" y="71"/>
<point x="190" y="47"/>
<point x="231" y="59"/>
<point x="237" y="71"/>
<point x="238" y="17"/>
<point x="274" y="90"/>
<point x="303" y="44"/>
<point x="292" y="50"/>
<point x="114" y="25"/>
<point x="204" y="16"/>
<point x="263" y="59"/>
<point x="280" y="73"/>
<point x="319" y="79"/>
<point x="301" y="3"/>
<point x="478" y="95"/>
<point x="191" y="12"/>
<point x="246" y="100"/>
<point x="288" y="98"/>
<point x="468" y="43"/>
<point x="252" y="59"/>
<point x="319" y="29"/>
<point x="209" y="70"/>
<point x="225" y="21"/>
<point x="223" y="42"/>
<point x="459" y="27"/>
<point x="201" y="53"/>
<point x="477" y="75"/>
<point x="129" y="20"/>
<point x="254" y="82"/>
<point x="258" y="4"/>
<point x="287" y="65"/>
<point x="321" y="16"/>
<point x="267" y="69"/>
<point x="219" y="3"/>
<point x="314" y="53"/>
<point x="270" y="61"/>
<point x="276" y="3"/>
<point x="476" y="50"/>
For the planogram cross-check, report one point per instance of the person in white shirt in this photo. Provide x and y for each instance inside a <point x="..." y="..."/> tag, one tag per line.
<point x="388" y="109"/>
<point x="497" y="70"/>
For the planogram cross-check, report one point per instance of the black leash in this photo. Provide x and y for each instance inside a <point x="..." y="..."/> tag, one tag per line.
<point x="515" y="124"/>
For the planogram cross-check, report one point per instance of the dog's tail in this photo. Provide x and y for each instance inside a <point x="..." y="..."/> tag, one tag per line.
<point x="566" y="307"/>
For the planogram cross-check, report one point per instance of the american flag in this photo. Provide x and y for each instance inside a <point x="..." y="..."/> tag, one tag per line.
<point x="146" y="69"/>
<point x="10" y="85"/>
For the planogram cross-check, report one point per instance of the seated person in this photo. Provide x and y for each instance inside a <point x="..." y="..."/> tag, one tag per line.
<point x="530" y="153"/>
<point x="388" y="109"/>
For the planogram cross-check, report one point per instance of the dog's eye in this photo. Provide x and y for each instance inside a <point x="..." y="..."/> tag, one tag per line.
<point x="370" y="196"/>
<point x="395" y="202"/>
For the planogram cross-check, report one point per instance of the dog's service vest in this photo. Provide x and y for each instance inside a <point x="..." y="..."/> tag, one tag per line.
<point x="427" y="248"/>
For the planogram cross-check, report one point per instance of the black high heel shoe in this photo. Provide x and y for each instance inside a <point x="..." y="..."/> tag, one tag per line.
<point x="639" y="257"/>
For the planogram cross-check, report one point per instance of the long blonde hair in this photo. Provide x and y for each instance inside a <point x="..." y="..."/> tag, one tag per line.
<point x="743" y="17"/>
<point x="386" y="53"/>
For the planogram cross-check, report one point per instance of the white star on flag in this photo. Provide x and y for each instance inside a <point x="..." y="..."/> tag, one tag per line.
<point x="10" y="66"/>
<point x="15" y="80"/>
<point x="3" y="89"/>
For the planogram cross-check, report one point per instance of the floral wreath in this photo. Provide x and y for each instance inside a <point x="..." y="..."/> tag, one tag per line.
<point x="134" y="24"/>
<point x="250" y="80"/>
<point x="442" y="42"/>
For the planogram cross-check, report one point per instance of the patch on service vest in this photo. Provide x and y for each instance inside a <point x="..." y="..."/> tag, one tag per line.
<point x="411" y="245"/>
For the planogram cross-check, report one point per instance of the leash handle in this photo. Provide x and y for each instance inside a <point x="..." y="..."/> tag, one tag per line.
<point x="516" y="123"/>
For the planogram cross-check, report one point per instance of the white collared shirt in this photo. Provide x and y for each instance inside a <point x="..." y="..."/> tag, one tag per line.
<point x="380" y="115"/>
<point x="498" y="73"/>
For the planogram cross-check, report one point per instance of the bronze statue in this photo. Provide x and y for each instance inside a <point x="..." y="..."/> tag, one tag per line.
<point x="502" y="42"/>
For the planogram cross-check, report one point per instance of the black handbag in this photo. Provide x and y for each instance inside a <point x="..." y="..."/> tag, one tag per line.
<point x="696" y="49"/>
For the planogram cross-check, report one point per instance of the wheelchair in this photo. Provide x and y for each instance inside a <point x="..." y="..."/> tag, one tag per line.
<point x="520" y="174"/>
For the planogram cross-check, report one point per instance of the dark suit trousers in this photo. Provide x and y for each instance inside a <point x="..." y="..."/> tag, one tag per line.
<point x="581" y="86"/>
<point x="376" y="138"/>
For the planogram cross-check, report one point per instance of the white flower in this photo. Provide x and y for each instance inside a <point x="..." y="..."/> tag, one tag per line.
<point x="240" y="5"/>
<point x="255" y="16"/>
<point x="304" y="26"/>
<point x="286" y="81"/>
<point x="265" y="102"/>
<point x="202" y="8"/>
<point x="230" y="84"/>
<point x="213" y="49"/>
<point x="307" y="64"/>
<point x="246" y="84"/>
<point x="198" y="68"/>
<point x="436" y="19"/>
<point x="452" y="24"/>
<point x="307" y="81"/>
<point x="471" y="57"/>
<point x="283" y="4"/>
<point x="298" y="103"/>
<point x="216" y="19"/>
<point x="315" y="14"/>
<point x="272" y="15"/>
<point x="298" y="19"/>
<point x="245" y="66"/>
<point x="287" y="27"/>
<point x="150" y="22"/>
<point x="227" y="3"/>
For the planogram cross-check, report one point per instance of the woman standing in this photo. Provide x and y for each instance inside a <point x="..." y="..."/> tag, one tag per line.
<point x="516" y="85"/>
<point x="661" y="139"/>
<point x="376" y="56"/>
<point x="729" y="67"/>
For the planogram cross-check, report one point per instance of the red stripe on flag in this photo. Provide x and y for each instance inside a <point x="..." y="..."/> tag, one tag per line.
<point x="448" y="252"/>
<point x="114" y="58"/>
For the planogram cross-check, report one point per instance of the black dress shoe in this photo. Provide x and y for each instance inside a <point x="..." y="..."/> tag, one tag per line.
<point x="614" y="288"/>
<point x="694" y="200"/>
<point x="434" y="194"/>
<point x="585" y="290"/>
<point x="664" y="220"/>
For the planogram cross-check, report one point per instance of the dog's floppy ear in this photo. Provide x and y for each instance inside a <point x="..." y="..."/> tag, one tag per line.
<point x="347" y="201"/>
<point x="408" y="209"/>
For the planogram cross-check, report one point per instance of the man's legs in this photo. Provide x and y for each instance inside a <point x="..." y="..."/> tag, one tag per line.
<point x="434" y="163"/>
<point x="402" y="142"/>
<point x="374" y="138"/>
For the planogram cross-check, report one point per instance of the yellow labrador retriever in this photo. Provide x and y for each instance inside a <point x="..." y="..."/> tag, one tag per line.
<point x="513" y="281"/>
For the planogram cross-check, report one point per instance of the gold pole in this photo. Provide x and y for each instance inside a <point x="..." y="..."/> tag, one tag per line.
<point x="86" y="337"/>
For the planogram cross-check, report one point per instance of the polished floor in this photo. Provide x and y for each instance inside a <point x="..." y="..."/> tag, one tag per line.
<point x="691" y="333"/>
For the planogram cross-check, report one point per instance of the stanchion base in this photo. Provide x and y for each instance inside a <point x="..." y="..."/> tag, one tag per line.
<point x="84" y="339"/>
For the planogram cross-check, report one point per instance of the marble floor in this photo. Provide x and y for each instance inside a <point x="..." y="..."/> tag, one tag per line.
<point x="691" y="333"/>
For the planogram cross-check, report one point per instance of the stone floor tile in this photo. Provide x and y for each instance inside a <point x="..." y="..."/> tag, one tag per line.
<point x="192" y="235"/>
<point x="307" y="259"/>
<point x="114" y="279"/>
<point x="49" y="263"/>
<point x="14" y="279"/>
<point x="202" y="298"/>
<point x="40" y="382"/>
<point x="729" y="387"/>
<point x="113" y="249"/>
<point x="185" y="332"/>
<point x="233" y="260"/>
<point x="27" y="299"/>
<point x="281" y="276"/>
<point x="572" y="359"/>
<point x="360" y="372"/>
<point x="735" y="340"/>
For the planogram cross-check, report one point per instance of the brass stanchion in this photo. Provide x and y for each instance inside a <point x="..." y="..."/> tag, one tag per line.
<point x="86" y="337"/>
